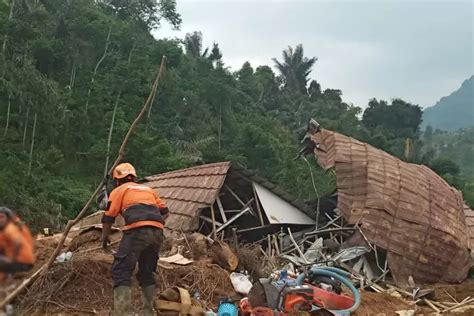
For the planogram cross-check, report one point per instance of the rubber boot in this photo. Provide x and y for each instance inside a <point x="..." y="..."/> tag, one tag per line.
<point x="148" y="295"/>
<point x="122" y="301"/>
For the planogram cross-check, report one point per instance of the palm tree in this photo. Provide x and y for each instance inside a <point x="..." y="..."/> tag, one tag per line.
<point x="295" y="68"/>
<point x="191" y="150"/>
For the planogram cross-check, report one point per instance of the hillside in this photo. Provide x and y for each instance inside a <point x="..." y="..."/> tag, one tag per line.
<point x="74" y="74"/>
<point x="454" y="111"/>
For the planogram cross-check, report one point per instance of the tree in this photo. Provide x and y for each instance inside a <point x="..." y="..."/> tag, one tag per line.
<point x="146" y="13"/>
<point x="295" y="68"/>
<point x="193" y="45"/>
<point x="399" y="119"/>
<point x="216" y="55"/>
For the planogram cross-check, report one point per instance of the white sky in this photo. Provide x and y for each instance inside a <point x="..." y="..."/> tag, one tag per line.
<point x="416" y="50"/>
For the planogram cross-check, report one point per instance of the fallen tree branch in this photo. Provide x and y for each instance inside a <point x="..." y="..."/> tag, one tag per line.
<point x="81" y="214"/>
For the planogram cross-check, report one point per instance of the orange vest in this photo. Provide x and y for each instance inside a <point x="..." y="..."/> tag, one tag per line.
<point x="139" y="205"/>
<point x="13" y="234"/>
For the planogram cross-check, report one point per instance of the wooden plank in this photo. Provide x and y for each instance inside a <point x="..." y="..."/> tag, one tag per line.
<point x="233" y="219"/>
<point x="232" y="211"/>
<point x="296" y="245"/>
<point x="244" y="230"/>
<point x="330" y="230"/>
<point x="213" y="216"/>
<point x="234" y="194"/>
<point x="209" y="220"/>
<point x="221" y="209"/>
<point x="257" y="202"/>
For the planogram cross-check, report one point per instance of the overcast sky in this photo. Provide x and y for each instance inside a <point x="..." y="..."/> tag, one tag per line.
<point x="417" y="50"/>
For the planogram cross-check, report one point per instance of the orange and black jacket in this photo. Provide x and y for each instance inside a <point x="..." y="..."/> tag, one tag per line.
<point x="138" y="204"/>
<point x="16" y="243"/>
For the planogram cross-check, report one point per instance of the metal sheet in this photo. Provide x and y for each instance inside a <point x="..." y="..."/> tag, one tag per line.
<point x="404" y="208"/>
<point x="278" y="211"/>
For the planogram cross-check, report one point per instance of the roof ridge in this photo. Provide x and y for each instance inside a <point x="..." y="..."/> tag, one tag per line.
<point x="198" y="167"/>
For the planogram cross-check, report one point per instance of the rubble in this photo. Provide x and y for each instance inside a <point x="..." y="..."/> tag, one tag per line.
<point x="382" y="226"/>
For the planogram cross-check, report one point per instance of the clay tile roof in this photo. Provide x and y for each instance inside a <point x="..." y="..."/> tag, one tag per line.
<point x="404" y="208"/>
<point x="188" y="190"/>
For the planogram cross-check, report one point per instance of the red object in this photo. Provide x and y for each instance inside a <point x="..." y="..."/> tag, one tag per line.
<point x="299" y="298"/>
<point x="331" y="300"/>
<point x="244" y="306"/>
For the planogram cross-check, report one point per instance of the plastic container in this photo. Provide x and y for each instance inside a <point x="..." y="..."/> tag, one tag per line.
<point x="227" y="309"/>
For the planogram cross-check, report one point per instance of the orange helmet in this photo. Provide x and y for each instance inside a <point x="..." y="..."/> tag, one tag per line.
<point x="123" y="170"/>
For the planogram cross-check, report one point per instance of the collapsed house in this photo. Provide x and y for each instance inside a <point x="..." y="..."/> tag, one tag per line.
<point x="226" y="198"/>
<point x="406" y="209"/>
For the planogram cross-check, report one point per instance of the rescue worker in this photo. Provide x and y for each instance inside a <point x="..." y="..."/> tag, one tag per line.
<point x="144" y="214"/>
<point x="16" y="244"/>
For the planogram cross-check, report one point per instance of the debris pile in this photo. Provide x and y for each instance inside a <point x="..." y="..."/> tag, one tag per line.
<point x="381" y="231"/>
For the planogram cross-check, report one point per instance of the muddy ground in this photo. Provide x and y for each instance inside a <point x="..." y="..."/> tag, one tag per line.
<point x="83" y="286"/>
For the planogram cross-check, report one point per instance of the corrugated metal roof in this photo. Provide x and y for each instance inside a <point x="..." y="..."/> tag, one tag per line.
<point x="404" y="208"/>
<point x="470" y="225"/>
<point x="186" y="191"/>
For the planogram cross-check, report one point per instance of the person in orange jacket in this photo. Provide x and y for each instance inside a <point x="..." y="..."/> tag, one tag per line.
<point x="144" y="214"/>
<point x="16" y="244"/>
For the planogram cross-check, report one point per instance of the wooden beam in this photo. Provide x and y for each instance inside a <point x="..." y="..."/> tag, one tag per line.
<point x="234" y="194"/>
<point x="296" y="245"/>
<point x="330" y="230"/>
<point x="209" y="220"/>
<point x="259" y="210"/>
<point x="221" y="209"/>
<point x="233" y="219"/>
<point x="244" y="230"/>
<point x="232" y="211"/>
<point x="275" y="244"/>
<point x="213" y="216"/>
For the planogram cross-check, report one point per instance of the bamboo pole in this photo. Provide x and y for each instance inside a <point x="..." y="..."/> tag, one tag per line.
<point x="213" y="216"/>
<point x="107" y="43"/>
<point x="257" y="203"/>
<point x="109" y="138"/>
<point x="7" y="124"/>
<point x="71" y="223"/>
<point x="25" y="128"/>
<point x="32" y="143"/>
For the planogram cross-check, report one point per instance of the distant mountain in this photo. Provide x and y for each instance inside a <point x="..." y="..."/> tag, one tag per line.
<point x="454" y="111"/>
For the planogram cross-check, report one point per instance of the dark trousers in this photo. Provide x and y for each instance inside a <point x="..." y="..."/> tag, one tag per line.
<point x="138" y="245"/>
<point x="13" y="267"/>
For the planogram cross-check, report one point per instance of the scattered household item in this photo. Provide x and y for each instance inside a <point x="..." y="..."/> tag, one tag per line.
<point x="227" y="308"/>
<point x="241" y="283"/>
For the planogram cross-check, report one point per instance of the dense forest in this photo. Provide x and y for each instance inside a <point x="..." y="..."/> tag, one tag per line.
<point x="74" y="74"/>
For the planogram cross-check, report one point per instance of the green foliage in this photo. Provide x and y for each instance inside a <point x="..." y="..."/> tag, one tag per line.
<point x="444" y="166"/>
<point x="295" y="68"/>
<point x="61" y="55"/>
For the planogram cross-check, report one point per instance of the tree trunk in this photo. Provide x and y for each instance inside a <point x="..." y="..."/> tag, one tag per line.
<point x="148" y="119"/>
<point x="109" y="139"/>
<point x="107" y="42"/>
<point x="10" y="16"/>
<point x="25" y="128"/>
<point x="72" y="77"/>
<point x="32" y="144"/>
<point x="220" y="127"/>
<point x="8" y="115"/>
